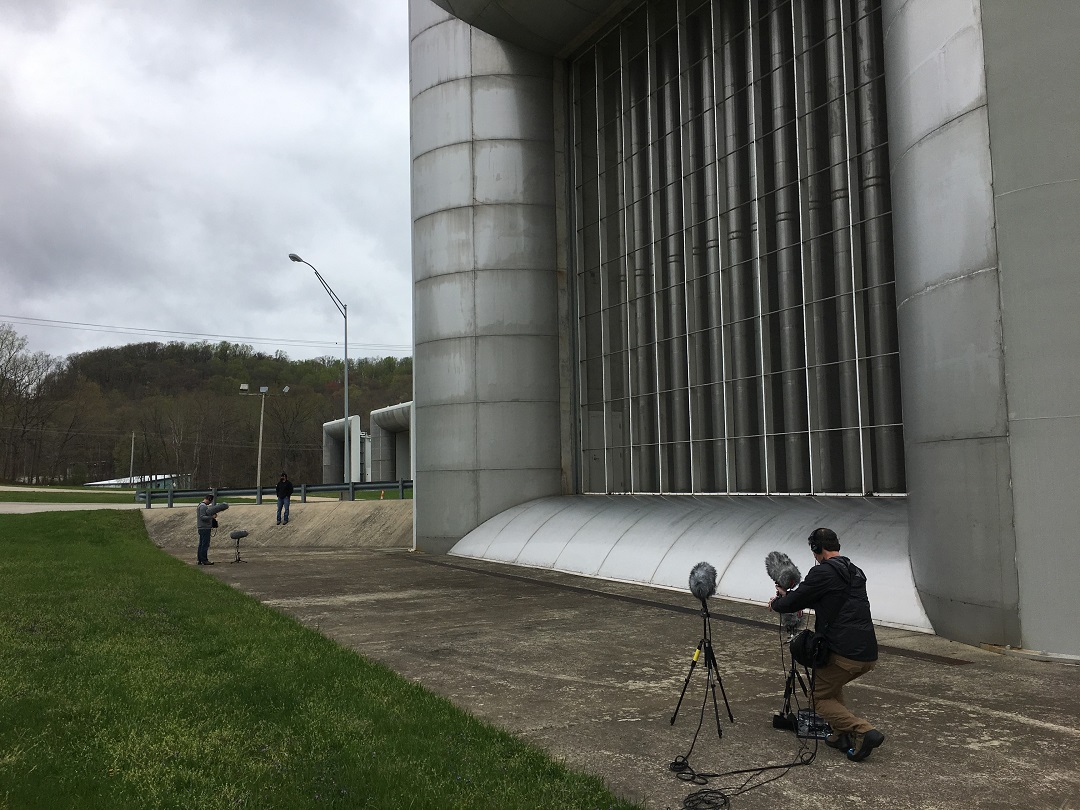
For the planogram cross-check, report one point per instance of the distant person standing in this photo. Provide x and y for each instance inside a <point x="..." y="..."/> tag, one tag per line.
<point x="284" y="492"/>
<point x="204" y="521"/>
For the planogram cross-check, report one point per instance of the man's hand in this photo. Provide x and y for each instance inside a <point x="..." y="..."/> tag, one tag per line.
<point x="779" y="592"/>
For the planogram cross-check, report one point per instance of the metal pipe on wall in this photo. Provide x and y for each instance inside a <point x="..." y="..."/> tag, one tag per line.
<point x="788" y="272"/>
<point x="847" y="371"/>
<point x="884" y="362"/>
<point x="819" y="333"/>
<point x="745" y="402"/>
<point x="674" y="409"/>
<point x="642" y="353"/>
<point x="709" y="426"/>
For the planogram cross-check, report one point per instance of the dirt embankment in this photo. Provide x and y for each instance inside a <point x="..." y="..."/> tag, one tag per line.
<point x="316" y="524"/>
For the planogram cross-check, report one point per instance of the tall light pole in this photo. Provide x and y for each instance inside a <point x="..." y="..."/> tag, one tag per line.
<point x="344" y="310"/>
<point x="262" y="412"/>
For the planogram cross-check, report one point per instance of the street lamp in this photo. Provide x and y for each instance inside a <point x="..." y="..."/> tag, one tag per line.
<point x="244" y="392"/>
<point x="343" y="308"/>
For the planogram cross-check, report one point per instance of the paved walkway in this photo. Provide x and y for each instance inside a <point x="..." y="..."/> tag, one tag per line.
<point x="591" y="671"/>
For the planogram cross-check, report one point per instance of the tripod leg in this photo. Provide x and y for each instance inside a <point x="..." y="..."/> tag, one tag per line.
<point x="727" y="705"/>
<point x="802" y="683"/>
<point x="715" y="670"/>
<point x="710" y="660"/>
<point x="686" y="683"/>
<point x="716" y="710"/>
<point x="789" y="690"/>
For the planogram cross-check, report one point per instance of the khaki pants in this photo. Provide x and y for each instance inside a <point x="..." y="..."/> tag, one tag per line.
<point x="829" y="683"/>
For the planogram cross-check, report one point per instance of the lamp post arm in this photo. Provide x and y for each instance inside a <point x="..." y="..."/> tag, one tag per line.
<point x="344" y="310"/>
<point x="333" y="295"/>
<point x="330" y="291"/>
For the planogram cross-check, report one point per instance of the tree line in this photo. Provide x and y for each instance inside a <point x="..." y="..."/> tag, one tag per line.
<point x="175" y="408"/>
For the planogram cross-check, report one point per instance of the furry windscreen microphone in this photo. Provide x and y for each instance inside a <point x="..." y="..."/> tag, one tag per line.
<point x="702" y="581"/>
<point x="785" y="574"/>
<point x="239" y="533"/>
<point x="782" y="570"/>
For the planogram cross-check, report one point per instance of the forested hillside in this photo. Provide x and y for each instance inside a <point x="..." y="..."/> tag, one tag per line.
<point x="72" y="420"/>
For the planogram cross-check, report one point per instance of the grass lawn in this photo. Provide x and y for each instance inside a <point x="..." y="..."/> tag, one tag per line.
<point x="131" y="680"/>
<point x="59" y="496"/>
<point x="100" y="496"/>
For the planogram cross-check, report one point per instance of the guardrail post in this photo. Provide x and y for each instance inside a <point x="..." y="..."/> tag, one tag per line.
<point x="352" y="490"/>
<point x="170" y="498"/>
<point x="401" y="489"/>
<point x="303" y="493"/>
<point x="147" y="499"/>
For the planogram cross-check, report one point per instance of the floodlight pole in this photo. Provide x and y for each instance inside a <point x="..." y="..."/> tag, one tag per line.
<point x="258" y="470"/>
<point x="343" y="308"/>
<point x="263" y="389"/>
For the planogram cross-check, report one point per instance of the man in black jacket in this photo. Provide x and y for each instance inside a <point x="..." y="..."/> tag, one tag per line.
<point x="284" y="490"/>
<point x="836" y="589"/>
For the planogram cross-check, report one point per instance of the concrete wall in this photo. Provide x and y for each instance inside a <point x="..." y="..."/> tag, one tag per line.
<point x="982" y="133"/>
<point x="1032" y="57"/>
<point x="485" y="312"/>
<point x="949" y="320"/>
<point x="333" y="451"/>
<point x="983" y="128"/>
<point x="391" y="443"/>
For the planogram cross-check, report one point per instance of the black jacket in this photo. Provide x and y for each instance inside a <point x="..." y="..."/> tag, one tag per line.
<point x="284" y="488"/>
<point x="836" y="590"/>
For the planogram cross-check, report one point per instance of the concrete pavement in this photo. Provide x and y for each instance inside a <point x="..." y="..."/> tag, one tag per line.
<point x="591" y="671"/>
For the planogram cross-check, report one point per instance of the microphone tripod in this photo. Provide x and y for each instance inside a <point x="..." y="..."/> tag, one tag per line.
<point x="713" y="678"/>
<point x="786" y="718"/>
<point x="237" y="536"/>
<point x="806" y="723"/>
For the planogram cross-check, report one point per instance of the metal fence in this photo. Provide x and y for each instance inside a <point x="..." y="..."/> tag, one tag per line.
<point x="346" y="492"/>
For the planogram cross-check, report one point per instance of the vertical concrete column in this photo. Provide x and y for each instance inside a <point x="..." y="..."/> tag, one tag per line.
<point x="485" y="310"/>
<point x="382" y="454"/>
<point x="948" y="290"/>
<point x="333" y="450"/>
<point x="1032" y="67"/>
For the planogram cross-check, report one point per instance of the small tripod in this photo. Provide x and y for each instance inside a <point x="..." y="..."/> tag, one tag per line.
<point x="705" y="645"/>
<point x="238" y="536"/>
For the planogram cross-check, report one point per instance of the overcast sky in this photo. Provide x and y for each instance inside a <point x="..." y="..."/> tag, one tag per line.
<point x="160" y="160"/>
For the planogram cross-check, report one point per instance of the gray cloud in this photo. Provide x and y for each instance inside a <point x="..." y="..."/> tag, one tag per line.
<point x="161" y="161"/>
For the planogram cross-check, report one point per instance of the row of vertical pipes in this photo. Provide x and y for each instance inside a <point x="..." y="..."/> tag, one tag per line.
<point x="736" y="221"/>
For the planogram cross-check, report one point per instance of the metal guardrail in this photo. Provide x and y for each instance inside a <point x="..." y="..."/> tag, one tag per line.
<point x="348" y="490"/>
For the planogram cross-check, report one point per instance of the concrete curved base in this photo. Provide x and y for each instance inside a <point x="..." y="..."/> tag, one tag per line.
<point x="657" y="539"/>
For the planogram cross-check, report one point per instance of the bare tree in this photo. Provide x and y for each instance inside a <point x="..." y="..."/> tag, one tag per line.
<point x="26" y="405"/>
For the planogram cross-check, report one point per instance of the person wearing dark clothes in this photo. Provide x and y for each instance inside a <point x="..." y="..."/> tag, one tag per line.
<point x="284" y="492"/>
<point x="204" y="521"/>
<point x="836" y="590"/>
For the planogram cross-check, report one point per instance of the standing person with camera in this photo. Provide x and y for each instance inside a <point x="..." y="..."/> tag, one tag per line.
<point x="284" y="491"/>
<point x="205" y="521"/>
<point x="836" y="590"/>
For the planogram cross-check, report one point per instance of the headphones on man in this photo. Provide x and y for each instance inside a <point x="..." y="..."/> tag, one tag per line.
<point x="817" y="535"/>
